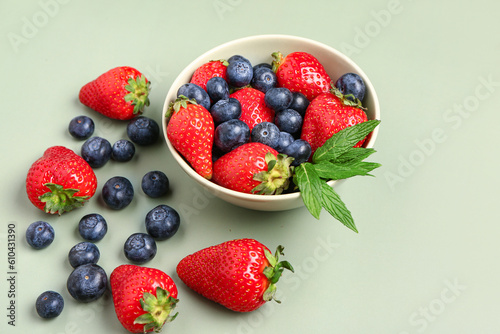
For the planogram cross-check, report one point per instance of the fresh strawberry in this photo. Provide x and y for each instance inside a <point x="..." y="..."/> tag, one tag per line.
<point x="301" y="72"/>
<point x="214" y="68"/>
<point x="246" y="169"/>
<point x="60" y="181"/>
<point x="120" y="93"/>
<point x="239" y="274"/>
<point x="253" y="106"/>
<point x="190" y="129"/>
<point x="143" y="297"/>
<point x="327" y="114"/>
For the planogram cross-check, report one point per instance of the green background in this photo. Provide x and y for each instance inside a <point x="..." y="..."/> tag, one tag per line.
<point x="426" y="257"/>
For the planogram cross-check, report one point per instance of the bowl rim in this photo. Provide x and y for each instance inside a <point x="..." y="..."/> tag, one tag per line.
<point x="215" y="188"/>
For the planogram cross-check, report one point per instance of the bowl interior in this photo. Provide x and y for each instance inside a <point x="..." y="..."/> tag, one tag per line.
<point x="258" y="49"/>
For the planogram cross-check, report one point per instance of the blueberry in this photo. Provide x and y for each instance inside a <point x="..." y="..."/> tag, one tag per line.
<point x="40" y="234"/>
<point x="96" y="151"/>
<point x="266" y="65"/>
<point x="143" y="130"/>
<point x="285" y="140"/>
<point x="278" y="98"/>
<point x="266" y="133"/>
<point x="288" y="120"/>
<point x="123" y="150"/>
<point x="351" y="83"/>
<point x="49" y="304"/>
<point x="117" y="192"/>
<point x="300" y="150"/>
<point x="217" y="89"/>
<point x="162" y="222"/>
<point x="155" y="183"/>
<point x="195" y="92"/>
<point x="87" y="282"/>
<point x="140" y="248"/>
<point x="224" y="110"/>
<point x="264" y="79"/>
<point x="299" y="103"/>
<point x="239" y="71"/>
<point x="81" y="127"/>
<point x="92" y="227"/>
<point x="231" y="134"/>
<point x="83" y="253"/>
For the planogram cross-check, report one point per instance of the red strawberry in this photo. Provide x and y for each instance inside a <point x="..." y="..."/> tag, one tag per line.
<point x="214" y="68"/>
<point x="301" y="72"/>
<point x="60" y="181"/>
<point x="190" y="129"/>
<point x="143" y="297"/>
<point x="253" y="106"/>
<point x="239" y="274"/>
<point x="245" y="169"/>
<point x="120" y="93"/>
<point x="328" y="114"/>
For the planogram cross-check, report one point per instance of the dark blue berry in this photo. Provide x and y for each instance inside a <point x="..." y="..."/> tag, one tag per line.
<point x="123" y="150"/>
<point x="265" y="65"/>
<point x="87" y="282"/>
<point x="117" y="192"/>
<point x="288" y="120"/>
<point x="264" y="79"/>
<point x="194" y="92"/>
<point x="83" y="253"/>
<point x="299" y="103"/>
<point x="224" y="110"/>
<point x="285" y="140"/>
<point x="217" y="89"/>
<point x="40" y="234"/>
<point x="231" y="134"/>
<point x="92" y="227"/>
<point x="266" y="133"/>
<point x="155" y="184"/>
<point x="351" y="84"/>
<point x="81" y="127"/>
<point x="96" y="151"/>
<point x="300" y="150"/>
<point x="239" y="71"/>
<point x="278" y="98"/>
<point x="143" y="130"/>
<point x="49" y="304"/>
<point x="162" y="222"/>
<point x="140" y="248"/>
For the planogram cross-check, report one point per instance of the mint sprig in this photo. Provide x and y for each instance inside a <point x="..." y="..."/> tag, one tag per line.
<point x="336" y="159"/>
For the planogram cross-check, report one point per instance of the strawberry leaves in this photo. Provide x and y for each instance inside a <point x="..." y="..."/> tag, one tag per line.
<point x="337" y="159"/>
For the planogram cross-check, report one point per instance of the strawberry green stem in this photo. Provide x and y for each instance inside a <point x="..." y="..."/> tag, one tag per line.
<point x="274" y="271"/>
<point x="278" y="60"/>
<point x="60" y="200"/>
<point x="139" y="93"/>
<point x="277" y="177"/>
<point x="158" y="309"/>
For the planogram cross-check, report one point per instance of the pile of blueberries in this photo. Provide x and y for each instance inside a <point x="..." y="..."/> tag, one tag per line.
<point x="283" y="134"/>
<point x="88" y="281"/>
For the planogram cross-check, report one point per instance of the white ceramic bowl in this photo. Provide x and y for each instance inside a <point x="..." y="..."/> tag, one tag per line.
<point x="258" y="49"/>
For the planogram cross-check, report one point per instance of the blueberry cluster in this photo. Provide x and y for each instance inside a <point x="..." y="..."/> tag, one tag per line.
<point x="97" y="151"/>
<point x="88" y="281"/>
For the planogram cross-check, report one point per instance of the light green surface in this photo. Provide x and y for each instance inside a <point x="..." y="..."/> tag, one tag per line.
<point x="426" y="257"/>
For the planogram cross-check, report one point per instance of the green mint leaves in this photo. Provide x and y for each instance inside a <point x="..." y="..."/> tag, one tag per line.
<point x="337" y="159"/>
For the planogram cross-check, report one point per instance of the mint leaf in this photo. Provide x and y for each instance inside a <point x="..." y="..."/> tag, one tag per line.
<point x="310" y="187"/>
<point x="333" y="204"/>
<point x="337" y="171"/>
<point x="342" y="141"/>
<point x="355" y="154"/>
